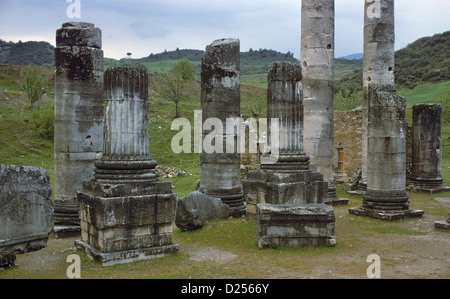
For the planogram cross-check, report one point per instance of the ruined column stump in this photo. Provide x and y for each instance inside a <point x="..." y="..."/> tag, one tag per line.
<point x="317" y="56"/>
<point x="444" y="224"/>
<point x="295" y="226"/>
<point x="220" y="99"/>
<point x="288" y="180"/>
<point x="386" y="196"/>
<point x="427" y="149"/>
<point x="126" y="212"/>
<point x="26" y="213"/>
<point x="79" y="99"/>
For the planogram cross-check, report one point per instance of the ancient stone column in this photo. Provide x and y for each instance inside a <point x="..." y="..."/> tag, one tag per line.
<point x="220" y="100"/>
<point x="386" y="196"/>
<point x="317" y="55"/>
<point x="126" y="212"/>
<point x="378" y="62"/>
<point x="427" y="149"/>
<point x="285" y="106"/>
<point x="79" y="99"/>
<point x="289" y="180"/>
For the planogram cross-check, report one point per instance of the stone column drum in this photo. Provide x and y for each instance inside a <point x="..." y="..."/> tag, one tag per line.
<point x="220" y="99"/>
<point x="126" y="212"/>
<point x="386" y="196"/>
<point x="79" y="100"/>
<point x="427" y="149"/>
<point x="317" y="56"/>
<point x="285" y="105"/>
<point x="378" y="61"/>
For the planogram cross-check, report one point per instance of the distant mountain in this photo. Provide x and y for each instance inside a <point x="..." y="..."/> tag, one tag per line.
<point x="355" y="56"/>
<point x="252" y="62"/>
<point x="426" y="60"/>
<point x="26" y="53"/>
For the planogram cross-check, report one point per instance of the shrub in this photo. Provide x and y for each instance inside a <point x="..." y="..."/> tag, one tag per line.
<point x="43" y="121"/>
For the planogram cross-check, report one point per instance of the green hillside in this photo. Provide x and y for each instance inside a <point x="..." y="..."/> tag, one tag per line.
<point x="424" y="61"/>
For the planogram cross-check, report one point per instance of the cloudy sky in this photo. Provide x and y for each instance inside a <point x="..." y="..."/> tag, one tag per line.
<point x="151" y="26"/>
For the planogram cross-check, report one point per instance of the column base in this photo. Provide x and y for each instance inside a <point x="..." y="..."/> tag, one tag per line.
<point x="67" y="221"/>
<point x="390" y="215"/>
<point x="332" y="198"/>
<point x="127" y="256"/>
<point x="236" y="204"/>
<point x="427" y="186"/>
<point x="66" y="216"/>
<point x="444" y="224"/>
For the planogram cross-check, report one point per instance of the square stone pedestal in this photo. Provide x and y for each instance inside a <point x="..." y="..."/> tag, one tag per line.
<point x="119" y="230"/>
<point x="283" y="187"/>
<point x="295" y="226"/>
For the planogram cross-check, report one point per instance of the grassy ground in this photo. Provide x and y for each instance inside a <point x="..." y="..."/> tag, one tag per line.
<point x="409" y="248"/>
<point x="227" y="249"/>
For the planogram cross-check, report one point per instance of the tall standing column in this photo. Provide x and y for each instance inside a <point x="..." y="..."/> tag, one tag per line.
<point x="427" y="149"/>
<point x="378" y="61"/>
<point x="79" y="100"/>
<point x="220" y="100"/>
<point x="386" y="196"/>
<point x="317" y="55"/>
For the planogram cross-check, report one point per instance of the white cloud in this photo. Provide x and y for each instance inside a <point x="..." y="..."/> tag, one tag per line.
<point x="143" y="27"/>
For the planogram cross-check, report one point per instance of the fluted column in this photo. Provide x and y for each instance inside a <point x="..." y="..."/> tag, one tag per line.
<point x="427" y="149"/>
<point x="126" y="139"/>
<point x="285" y="105"/>
<point x="126" y="212"/>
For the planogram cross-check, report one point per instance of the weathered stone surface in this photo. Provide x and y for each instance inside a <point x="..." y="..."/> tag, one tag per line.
<point x="290" y="179"/>
<point x="378" y="64"/>
<point x="285" y="105"/>
<point x="196" y="209"/>
<point x="26" y="214"/>
<point x="272" y="187"/>
<point x="220" y="98"/>
<point x="317" y="56"/>
<point x="127" y="223"/>
<point x="444" y="224"/>
<point x="291" y="225"/>
<point x="386" y="196"/>
<point x="126" y="212"/>
<point x="427" y="149"/>
<point x="79" y="100"/>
